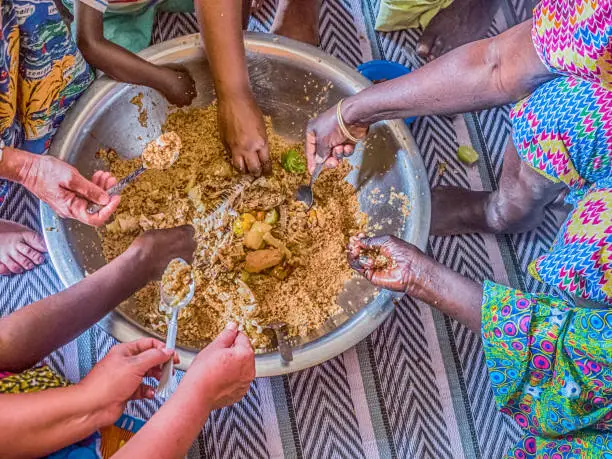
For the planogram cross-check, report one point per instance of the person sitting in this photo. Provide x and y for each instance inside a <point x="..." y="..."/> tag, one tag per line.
<point x="241" y="121"/>
<point x="548" y="355"/>
<point x="42" y="74"/>
<point x="41" y="412"/>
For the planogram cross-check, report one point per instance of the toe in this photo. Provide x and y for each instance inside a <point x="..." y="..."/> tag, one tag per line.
<point x="425" y="44"/>
<point x="24" y="262"/>
<point x="4" y="270"/>
<point x="32" y="254"/>
<point x="436" y="50"/>
<point x="13" y="266"/>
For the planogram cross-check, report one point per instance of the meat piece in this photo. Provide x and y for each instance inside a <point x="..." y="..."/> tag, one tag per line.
<point x="261" y="260"/>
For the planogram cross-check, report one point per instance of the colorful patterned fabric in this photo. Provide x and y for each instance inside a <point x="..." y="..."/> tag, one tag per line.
<point x="564" y="131"/>
<point x="574" y="37"/>
<point x="41" y="73"/>
<point x="550" y="366"/>
<point x="101" y="444"/>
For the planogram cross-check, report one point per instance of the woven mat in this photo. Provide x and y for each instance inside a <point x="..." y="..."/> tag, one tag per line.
<point x="418" y="386"/>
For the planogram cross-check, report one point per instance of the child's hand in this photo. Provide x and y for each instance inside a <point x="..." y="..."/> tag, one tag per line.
<point x="117" y="378"/>
<point x="156" y="248"/>
<point x="224" y="369"/>
<point x="179" y="87"/>
<point x="243" y="133"/>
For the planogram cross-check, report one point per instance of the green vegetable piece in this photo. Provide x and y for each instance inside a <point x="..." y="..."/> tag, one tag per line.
<point x="271" y="217"/>
<point x="467" y="155"/>
<point x="292" y="161"/>
<point x="244" y="276"/>
<point x="238" y="227"/>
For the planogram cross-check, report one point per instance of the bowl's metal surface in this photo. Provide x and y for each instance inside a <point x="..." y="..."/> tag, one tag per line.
<point x="287" y="78"/>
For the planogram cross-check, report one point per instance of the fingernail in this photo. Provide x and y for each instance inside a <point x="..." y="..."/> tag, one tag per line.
<point x="168" y="351"/>
<point x="231" y="326"/>
<point x="150" y="393"/>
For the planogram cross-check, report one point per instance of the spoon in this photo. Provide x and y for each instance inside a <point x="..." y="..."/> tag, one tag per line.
<point x="284" y="348"/>
<point x="304" y="192"/>
<point x="165" y="387"/>
<point x="121" y="184"/>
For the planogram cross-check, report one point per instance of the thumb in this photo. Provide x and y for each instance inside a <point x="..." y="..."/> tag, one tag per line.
<point x="93" y="193"/>
<point x="34" y="240"/>
<point x="227" y="337"/>
<point x="310" y="149"/>
<point x="152" y="358"/>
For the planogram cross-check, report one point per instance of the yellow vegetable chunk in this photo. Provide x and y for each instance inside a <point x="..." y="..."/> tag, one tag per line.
<point x="261" y="260"/>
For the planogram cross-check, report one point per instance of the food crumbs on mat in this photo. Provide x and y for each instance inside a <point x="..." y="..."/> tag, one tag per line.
<point x="263" y="265"/>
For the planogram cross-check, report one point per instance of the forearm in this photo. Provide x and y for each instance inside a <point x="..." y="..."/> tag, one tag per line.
<point x="30" y="334"/>
<point x="476" y="76"/>
<point x="452" y="294"/>
<point x="173" y="429"/>
<point x="115" y="61"/>
<point x="36" y="424"/>
<point x="221" y="28"/>
<point x="15" y="164"/>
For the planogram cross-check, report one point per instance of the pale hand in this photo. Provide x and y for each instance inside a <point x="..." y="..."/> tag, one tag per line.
<point x="224" y="369"/>
<point x="118" y="377"/>
<point x="243" y="133"/>
<point x="67" y="192"/>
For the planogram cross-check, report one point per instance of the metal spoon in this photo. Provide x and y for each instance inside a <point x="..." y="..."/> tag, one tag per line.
<point x="165" y="387"/>
<point x="304" y="192"/>
<point x="121" y="184"/>
<point x="284" y="348"/>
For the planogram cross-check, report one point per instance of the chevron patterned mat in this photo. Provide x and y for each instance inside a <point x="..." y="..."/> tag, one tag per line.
<point x="418" y="386"/>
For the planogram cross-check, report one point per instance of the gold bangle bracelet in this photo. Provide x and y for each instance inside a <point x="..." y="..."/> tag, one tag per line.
<point x="343" y="128"/>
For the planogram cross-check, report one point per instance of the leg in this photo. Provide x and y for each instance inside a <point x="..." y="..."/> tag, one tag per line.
<point x="21" y="249"/>
<point x="517" y="205"/>
<point x="462" y="22"/>
<point x="298" y="19"/>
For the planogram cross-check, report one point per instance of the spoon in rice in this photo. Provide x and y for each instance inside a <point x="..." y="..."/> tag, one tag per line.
<point x="160" y="154"/>
<point x="173" y="305"/>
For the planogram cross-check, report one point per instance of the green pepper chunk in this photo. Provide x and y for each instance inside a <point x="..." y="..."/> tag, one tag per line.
<point x="467" y="155"/>
<point x="294" y="162"/>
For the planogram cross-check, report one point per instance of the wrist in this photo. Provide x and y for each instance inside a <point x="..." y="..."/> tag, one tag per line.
<point x="197" y="394"/>
<point x="352" y="113"/>
<point x="234" y="92"/>
<point x="16" y="165"/>
<point x="140" y="256"/>
<point x="93" y="413"/>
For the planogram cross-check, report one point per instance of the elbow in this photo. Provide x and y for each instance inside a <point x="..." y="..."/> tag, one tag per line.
<point x="87" y="46"/>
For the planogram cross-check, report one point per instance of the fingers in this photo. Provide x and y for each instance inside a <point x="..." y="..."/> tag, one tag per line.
<point x="152" y="358"/>
<point x="227" y="337"/>
<point x="104" y="180"/>
<point x="143" y="391"/>
<point x="252" y="163"/>
<point x="83" y="187"/>
<point x="243" y="343"/>
<point x="238" y="163"/>
<point x="140" y="345"/>
<point x="35" y="241"/>
<point x="310" y="149"/>
<point x="264" y="159"/>
<point x="78" y="211"/>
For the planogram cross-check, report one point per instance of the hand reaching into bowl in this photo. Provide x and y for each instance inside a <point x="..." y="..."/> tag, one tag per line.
<point x="61" y="186"/>
<point x="327" y="141"/>
<point x="243" y="133"/>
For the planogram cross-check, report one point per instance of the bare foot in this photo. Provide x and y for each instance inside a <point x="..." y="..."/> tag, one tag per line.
<point x="462" y="22"/>
<point x="298" y="19"/>
<point x="21" y="249"/>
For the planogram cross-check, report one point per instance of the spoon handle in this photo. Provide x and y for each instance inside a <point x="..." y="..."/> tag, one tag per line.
<point x="165" y="381"/>
<point x="117" y="188"/>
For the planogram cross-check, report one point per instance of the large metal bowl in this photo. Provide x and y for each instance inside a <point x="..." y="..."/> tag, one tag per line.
<point x="287" y="78"/>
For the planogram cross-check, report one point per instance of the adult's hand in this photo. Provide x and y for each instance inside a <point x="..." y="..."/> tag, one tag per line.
<point x="224" y="369"/>
<point x="118" y="377"/>
<point x="67" y="192"/>
<point x="159" y="247"/>
<point x="326" y="142"/>
<point x="243" y="133"/>
<point x="390" y="263"/>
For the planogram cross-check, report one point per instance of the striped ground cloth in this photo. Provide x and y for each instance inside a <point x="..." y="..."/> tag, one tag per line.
<point x="418" y="386"/>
